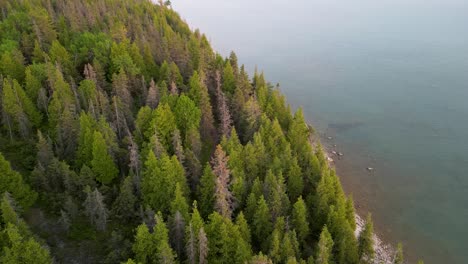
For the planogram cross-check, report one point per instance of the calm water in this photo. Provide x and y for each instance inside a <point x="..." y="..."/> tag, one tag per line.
<point x="389" y="81"/>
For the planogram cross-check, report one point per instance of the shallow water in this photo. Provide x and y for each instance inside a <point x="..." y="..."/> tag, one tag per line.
<point x="388" y="80"/>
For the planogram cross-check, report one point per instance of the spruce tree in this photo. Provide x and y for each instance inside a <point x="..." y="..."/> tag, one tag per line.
<point x="262" y="225"/>
<point x="366" y="242"/>
<point x="102" y="163"/>
<point x="21" y="249"/>
<point x="206" y="190"/>
<point x="299" y="219"/>
<point x="12" y="182"/>
<point x="324" y="248"/>
<point x="229" y="81"/>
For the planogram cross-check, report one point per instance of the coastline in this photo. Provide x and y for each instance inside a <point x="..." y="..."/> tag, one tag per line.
<point x="384" y="252"/>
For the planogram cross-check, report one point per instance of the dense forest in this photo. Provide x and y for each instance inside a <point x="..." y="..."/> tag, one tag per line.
<point x="126" y="139"/>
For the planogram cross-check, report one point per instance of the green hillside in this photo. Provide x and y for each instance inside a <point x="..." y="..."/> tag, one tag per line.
<point x="125" y="138"/>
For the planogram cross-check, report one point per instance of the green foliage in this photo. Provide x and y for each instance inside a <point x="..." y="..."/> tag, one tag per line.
<point x="398" y="259"/>
<point x="324" y="248"/>
<point x="299" y="219"/>
<point x="206" y="190"/>
<point x="79" y="72"/>
<point x="163" y="123"/>
<point x="19" y="107"/>
<point x="102" y="163"/>
<point x="229" y="81"/>
<point x="179" y="204"/>
<point x="12" y="65"/>
<point x="366" y="242"/>
<point x="262" y="225"/>
<point x="160" y="178"/>
<point x="187" y="114"/>
<point x="22" y="249"/>
<point x="12" y="182"/>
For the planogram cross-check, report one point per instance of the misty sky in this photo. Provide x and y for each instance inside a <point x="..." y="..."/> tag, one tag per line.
<point x="244" y="19"/>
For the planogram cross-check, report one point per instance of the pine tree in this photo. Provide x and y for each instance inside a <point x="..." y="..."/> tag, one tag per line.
<point x="206" y="190"/>
<point x="224" y="114"/>
<point x="179" y="204"/>
<point x="199" y="94"/>
<point x="191" y="245"/>
<point x="295" y="180"/>
<point x="102" y="163"/>
<point x="187" y="114"/>
<point x="324" y="248"/>
<point x="262" y="225"/>
<point x="22" y="249"/>
<point x="12" y="182"/>
<point x="229" y="81"/>
<point x="145" y="246"/>
<point x="45" y="152"/>
<point x="64" y="221"/>
<point x="124" y="204"/>
<point x="243" y="226"/>
<point x="366" y="242"/>
<point x="165" y="255"/>
<point x="9" y="214"/>
<point x="299" y="219"/>
<point x="164" y="124"/>
<point x="160" y="178"/>
<point x="152" y="100"/>
<point x="223" y="196"/>
<point x="398" y="259"/>
<point x="17" y="105"/>
<point x="177" y="233"/>
<point x="177" y="146"/>
<point x="95" y="209"/>
<point x="202" y="247"/>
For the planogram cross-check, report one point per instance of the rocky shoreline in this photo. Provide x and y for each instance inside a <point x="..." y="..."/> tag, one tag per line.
<point x="384" y="253"/>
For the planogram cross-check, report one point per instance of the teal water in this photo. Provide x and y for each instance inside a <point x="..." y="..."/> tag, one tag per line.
<point x="388" y="80"/>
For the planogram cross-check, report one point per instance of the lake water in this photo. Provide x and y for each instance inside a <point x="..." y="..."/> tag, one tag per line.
<point x="388" y="80"/>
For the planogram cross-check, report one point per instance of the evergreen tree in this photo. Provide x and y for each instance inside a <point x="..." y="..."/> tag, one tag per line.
<point x="199" y="94"/>
<point x="179" y="204"/>
<point x="244" y="228"/>
<point x="165" y="255"/>
<point x="398" y="259"/>
<point x="324" y="248"/>
<point x="95" y="209"/>
<point x="206" y="190"/>
<point x="124" y="204"/>
<point x="102" y="163"/>
<point x="203" y="247"/>
<point x="145" y="247"/>
<point x="23" y="250"/>
<point x="366" y="242"/>
<point x="12" y="182"/>
<point x="299" y="219"/>
<point x="229" y="81"/>
<point x="160" y="178"/>
<point x="262" y="225"/>
<point x="164" y="124"/>
<point x="187" y="114"/>
<point x="17" y="105"/>
<point x="295" y="180"/>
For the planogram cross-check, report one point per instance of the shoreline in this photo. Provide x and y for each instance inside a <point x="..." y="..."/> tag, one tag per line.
<point x="384" y="252"/>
